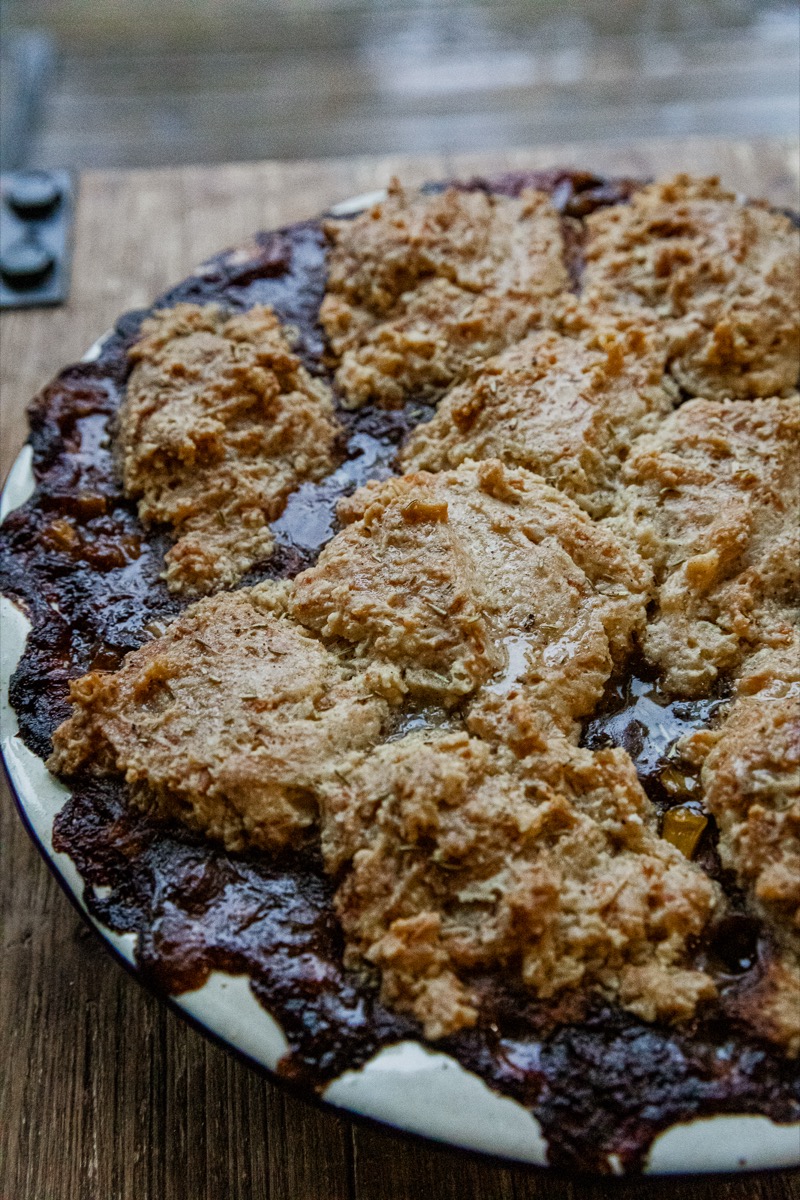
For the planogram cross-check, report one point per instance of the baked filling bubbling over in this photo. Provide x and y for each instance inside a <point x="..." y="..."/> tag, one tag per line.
<point x="565" y="507"/>
<point x="444" y="676"/>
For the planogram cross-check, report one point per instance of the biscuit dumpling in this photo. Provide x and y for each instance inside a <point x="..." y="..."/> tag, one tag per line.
<point x="228" y="722"/>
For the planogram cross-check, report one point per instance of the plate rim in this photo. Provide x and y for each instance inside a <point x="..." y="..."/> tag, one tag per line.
<point x="310" y="1096"/>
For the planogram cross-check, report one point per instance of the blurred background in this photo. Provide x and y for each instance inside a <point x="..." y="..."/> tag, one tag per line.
<point x="107" y="83"/>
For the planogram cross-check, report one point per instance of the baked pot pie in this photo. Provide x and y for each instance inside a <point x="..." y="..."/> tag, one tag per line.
<point x="414" y="602"/>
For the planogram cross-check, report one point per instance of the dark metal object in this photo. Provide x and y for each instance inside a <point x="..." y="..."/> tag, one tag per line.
<point x="35" y="220"/>
<point x="33" y="194"/>
<point x="25" y="264"/>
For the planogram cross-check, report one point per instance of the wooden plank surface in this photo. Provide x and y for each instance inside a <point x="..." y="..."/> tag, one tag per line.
<point x="105" y="1095"/>
<point x="141" y="83"/>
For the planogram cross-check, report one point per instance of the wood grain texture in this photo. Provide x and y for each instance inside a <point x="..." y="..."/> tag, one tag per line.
<point x="104" y="1093"/>
<point x="141" y="83"/>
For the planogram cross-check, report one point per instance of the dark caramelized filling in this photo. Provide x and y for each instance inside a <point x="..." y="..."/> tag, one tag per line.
<point x="599" y="1080"/>
<point x="372" y="439"/>
<point x="734" y="943"/>
<point x="636" y="715"/>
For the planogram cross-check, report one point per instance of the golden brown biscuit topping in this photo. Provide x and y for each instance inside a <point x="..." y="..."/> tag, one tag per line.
<point x="457" y="856"/>
<point x="555" y="517"/>
<point x="483" y="577"/>
<point x="721" y="274"/>
<point x="220" y="423"/>
<point x="711" y="500"/>
<point x="567" y="408"/>
<point x="751" y="785"/>
<point x="423" y="287"/>
<point x="228" y="721"/>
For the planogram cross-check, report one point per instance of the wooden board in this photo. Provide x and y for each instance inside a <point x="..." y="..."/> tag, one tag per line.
<point x="141" y="83"/>
<point x="105" y="1095"/>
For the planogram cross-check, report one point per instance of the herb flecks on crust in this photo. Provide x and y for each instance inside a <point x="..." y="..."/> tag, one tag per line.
<point x="721" y="274"/>
<point x="459" y="856"/>
<point x="220" y="423"/>
<point x="228" y="722"/>
<point x="421" y="288"/>
<point x="711" y="500"/>
<point x="565" y="407"/>
<point x="479" y="578"/>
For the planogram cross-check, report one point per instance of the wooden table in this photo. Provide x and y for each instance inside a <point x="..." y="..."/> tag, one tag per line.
<point x="105" y="1095"/>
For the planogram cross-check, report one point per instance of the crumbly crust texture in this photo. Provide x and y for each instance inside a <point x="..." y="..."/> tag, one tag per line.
<point x="228" y="721"/>
<point x="458" y="856"/>
<point x="565" y="407"/>
<point x="721" y="274"/>
<point x="478" y="579"/>
<point x="220" y="423"/>
<point x="750" y="776"/>
<point x="422" y="288"/>
<point x="555" y="517"/>
<point x="711" y="500"/>
<point x="752" y="786"/>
